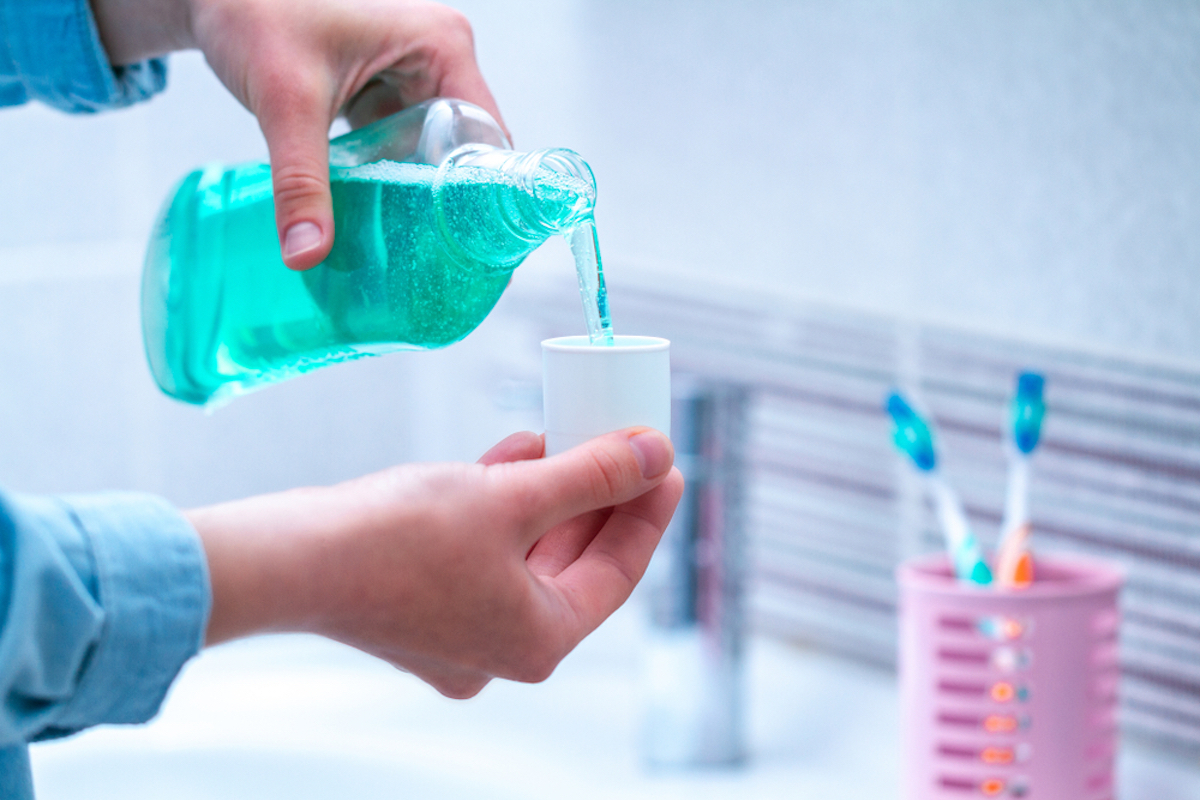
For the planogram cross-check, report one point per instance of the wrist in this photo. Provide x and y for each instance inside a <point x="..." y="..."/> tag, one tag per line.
<point x="134" y="30"/>
<point x="265" y="557"/>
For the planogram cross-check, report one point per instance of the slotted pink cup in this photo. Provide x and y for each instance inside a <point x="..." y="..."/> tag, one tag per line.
<point x="1009" y="694"/>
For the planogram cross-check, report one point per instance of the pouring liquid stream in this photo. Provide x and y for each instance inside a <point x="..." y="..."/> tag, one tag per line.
<point x="585" y="247"/>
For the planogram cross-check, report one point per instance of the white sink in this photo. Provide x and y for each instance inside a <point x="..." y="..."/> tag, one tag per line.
<point x="120" y="772"/>
<point x="299" y="718"/>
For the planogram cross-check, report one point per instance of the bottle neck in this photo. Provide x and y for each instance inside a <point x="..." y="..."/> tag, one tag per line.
<point x="552" y="191"/>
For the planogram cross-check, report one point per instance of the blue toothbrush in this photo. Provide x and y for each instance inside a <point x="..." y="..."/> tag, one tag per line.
<point x="1014" y="567"/>
<point x="914" y="439"/>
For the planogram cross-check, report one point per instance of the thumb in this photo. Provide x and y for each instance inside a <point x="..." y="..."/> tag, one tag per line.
<point x="296" y="126"/>
<point x="604" y="472"/>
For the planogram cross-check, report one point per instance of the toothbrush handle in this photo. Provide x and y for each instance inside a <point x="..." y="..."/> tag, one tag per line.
<point x="1016" y="499"/>
<point x="1014" y="565"/>
<point x="964" y="549"/>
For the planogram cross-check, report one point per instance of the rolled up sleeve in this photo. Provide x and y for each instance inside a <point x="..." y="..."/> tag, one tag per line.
<point x="50" y="50"/>
<point x="103" y="598"/>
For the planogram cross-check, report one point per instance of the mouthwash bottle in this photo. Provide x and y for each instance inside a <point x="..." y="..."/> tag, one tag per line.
<point x="432" y="213"/>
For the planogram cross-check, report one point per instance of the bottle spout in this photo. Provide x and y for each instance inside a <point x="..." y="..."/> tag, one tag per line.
<point x="557" y="190"/>
<point x="562" y="186"/>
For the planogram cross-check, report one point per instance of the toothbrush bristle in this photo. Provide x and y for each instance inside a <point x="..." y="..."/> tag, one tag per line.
<point x="980" y="574"/>
<point x="1023" y="576"/>
<point x="912" y="434"/>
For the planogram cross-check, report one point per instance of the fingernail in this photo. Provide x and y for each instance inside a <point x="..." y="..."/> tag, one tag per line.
<point x="652" y="452"/>
<point x="300" y="238"/>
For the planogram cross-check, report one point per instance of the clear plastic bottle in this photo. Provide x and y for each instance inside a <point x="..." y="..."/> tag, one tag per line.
<point x="432" y="213"/>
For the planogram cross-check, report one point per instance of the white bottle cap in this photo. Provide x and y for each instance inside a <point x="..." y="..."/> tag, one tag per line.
<point x="589" y="390"/>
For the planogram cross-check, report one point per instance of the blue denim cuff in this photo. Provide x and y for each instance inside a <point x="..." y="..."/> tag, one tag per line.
<point x="16" y="782"/>
<point x="50" y="50"/>
<point x="152" y="581"/>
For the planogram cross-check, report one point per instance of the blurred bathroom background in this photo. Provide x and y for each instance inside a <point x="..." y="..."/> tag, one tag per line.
<point x="815" y="201"/>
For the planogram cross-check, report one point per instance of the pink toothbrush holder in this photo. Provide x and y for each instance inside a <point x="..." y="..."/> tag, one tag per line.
<point x="1009" y="694"/>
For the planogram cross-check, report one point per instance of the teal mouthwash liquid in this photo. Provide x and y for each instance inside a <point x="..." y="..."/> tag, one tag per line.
<point x="420" y="256"/>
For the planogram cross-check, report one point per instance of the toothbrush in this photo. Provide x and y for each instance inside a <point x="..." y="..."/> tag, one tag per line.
<point x="1014" y="565"/>
<point x="914" y="439"/>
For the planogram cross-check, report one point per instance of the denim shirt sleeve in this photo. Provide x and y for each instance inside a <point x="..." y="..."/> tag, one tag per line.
<point x="50" y="50"/>
<point x="102" y="600"/>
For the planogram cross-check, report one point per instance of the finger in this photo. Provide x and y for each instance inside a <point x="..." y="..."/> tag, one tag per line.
<point x="392" y="91"/>
<point x="378" y="99"/>
<point x="295" y="120"/>
<point x="604" y="575"/>
<point x="388" y="93"/>
<point x="517" y="447"/>
<point x="460" y="74"/>
<point x="442" y="65"/>
<point x="467" y="83"/>
<point x="564" y="543"/>
<point x="601" y="473"/>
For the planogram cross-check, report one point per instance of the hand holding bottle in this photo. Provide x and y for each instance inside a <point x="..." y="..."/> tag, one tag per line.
<point x="457" y="573"/>
<point x="297" y="65"/>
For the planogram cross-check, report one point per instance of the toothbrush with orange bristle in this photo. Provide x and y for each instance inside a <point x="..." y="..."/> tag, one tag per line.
<point x="1014" y="563"/>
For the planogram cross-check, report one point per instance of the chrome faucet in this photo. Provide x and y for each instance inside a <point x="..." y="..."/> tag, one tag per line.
<point x="695" y="588"/>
